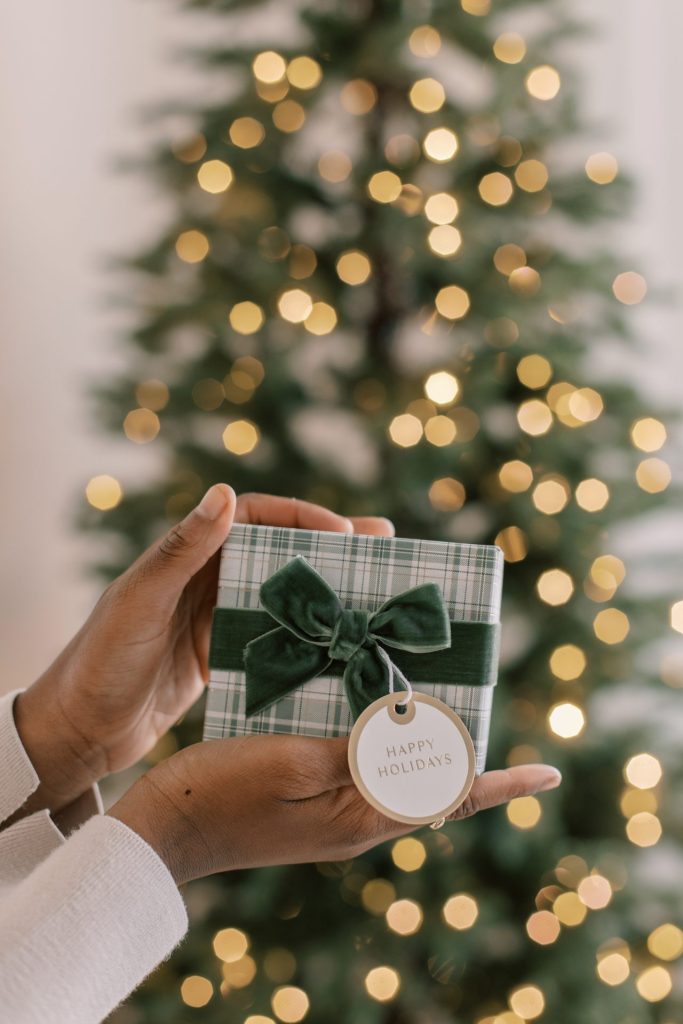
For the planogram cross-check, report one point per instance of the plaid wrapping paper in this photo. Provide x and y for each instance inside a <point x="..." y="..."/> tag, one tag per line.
<point x="364" y="571"/>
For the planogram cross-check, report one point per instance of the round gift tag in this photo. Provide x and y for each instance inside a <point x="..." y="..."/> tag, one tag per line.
<point x="414" y="765"/>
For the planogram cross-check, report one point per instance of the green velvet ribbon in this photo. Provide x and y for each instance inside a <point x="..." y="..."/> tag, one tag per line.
<point x="316" y="635"/>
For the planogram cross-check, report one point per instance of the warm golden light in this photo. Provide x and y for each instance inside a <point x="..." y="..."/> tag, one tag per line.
<point x="103" y="492"/>
<point x="384" y="186"/>
<point x="452" y="302"/>
<point x="648" y="434"/>
<point x="566" y="720"/>
<point x="509" y="257"/>
<point x="592" y="495"/>
<point x="644" y="829"/>
<point x="269" y="67"/>
<point x="440" y="145"/>
<point x="442" y="387"/>
<point x="440" y="430"/>
<point x="404" y="917"/>
<point x="141" y="426"/>
<point x="358" y="97"/>
<point x="239" y="973"/>
<point x="377" y="896"/>
<point x="527" y="1001"/>
<point x="611" y="625"/>
<point x="676" y="616"/>
<point x="290" y="1004"/>
<point x="246" y="317"/>
<point x="534" y="417"/>
<point x="555" y="586"/>
<point x="629" y="287"/>
<point x="666" y="942"/>
<point x="513" y="543"/>
<point x="196" y="991"/>
<point x="189" y="151"/>
<point x="304" y="73"/>
<point x="515" y="476"/>
<point x="602" y="168"/>
<point x="230" y="944"/>
<point x="295" y="305"/>
<point x="441" y="208"/>
<point x="551" y="495"/>
<point x="567" y="662"/>
<point x="424" y="41"/>
<point x="427" y="95"/>
<point x="523" y="812"/>
<point x="633" y="801"/>
<point x="405" y="430"/>
<point x="534" y="371"/>
<point x="495" y="189"/>
<point x="525" y="281"/>
<point x="382" y="983"/>
<point x="246" y="132"/>
<point x="531" y="175"/>
<point x="654" y="984"/>
<point x="595" y="892"/>
<point x="509" y="48"/>
<point x="322" y="319"/>
<point x="447" y="494"/>
<point x="288" y="116"/>
<point x="613" y="969"/>
<point x="152" y="394"/>
<point x="215" y="176"/>
<point x="543" y="82"/>
<point x="192" y="246"/>
<point x="543" y="927"/>
<point x="240" y="437"/>
<point x="643" y="771"/>
<point x="569" y="910"/>
<point x="653" y="475"/>
<point x="353" y="267"/>
<point x="479" y="8"/>
<point x="408" y="854"/>
<point x="444" y="240"/>
<point x="460" y="911"/>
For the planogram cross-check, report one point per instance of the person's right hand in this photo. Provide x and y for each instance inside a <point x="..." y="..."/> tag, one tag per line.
<point x="259" y="800"/>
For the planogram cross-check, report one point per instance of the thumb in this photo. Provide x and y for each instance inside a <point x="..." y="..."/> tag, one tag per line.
<point x="497" y="787"/>
<point x="187" y="547"/>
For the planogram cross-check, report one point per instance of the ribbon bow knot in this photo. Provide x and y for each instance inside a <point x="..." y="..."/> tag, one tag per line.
<point x="314" y="630"/>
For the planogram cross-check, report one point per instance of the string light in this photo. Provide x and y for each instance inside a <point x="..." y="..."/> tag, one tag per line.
<point x="192" y="246"/>
<point x="613" y="969"/>
<point x="495" y="189"/>
<point x="566" y="720"/>
<point x="215" y="176"/>
<point x="230" y="944"/>
<point x="531" y="175"/>
<point x="384" y="186"/>
<point x="440" y="145"/>
<point x="644" y="829"/>
<point x="551" y="495"/>
<point x="523" y="812"/>
<point x="543" y="82"/>
<point x="654" y="984"/>
<point x="353" y="267"/>
<point x="643" y="771"/>
<point x="442" y="387"/>
<point x="666" y="942"/>
<point x="452" y="302"/>
<point x="269" y="67"/>
<point x="290" y="1004"/>
<point x="196" y="991"/>
<point x="653" y="475"/>
<point x="595" y="892"/>
<point x="648" y="434"/>
<point x="543" y="928"/>
<point x="424" y="41"/>
<point x="239" y="973"/>
<point x="460" y="911"/>
<point x="602" y="168"/>
<point x="567" y="662"/>
<point x="569" y="910"/>
<point x="241" y="437"/>
<point x="246" y="317"/>
<point x="515" y="476"/>
<point x="335" y="166"/>
<point x="358" y="97"/>
<point x="441" y="208"/>
<point x="592" y="495"/>
<point x="534" y="371"/>
<point x="141" y="426"/>
<point x="382" y="983"/>
<point x="444" y="240"/>
<point x="427" y="95"/>
<point x="509" y="257"/>
<point x="246" y="132"/>
<point x="629" y="287"/>
<point x="534" y="417"/>
<point x="404" y="917"/>
<point x="440" y="431"/>
<point x="295" y="305"/>
<point x="322" y="319"/>
<point x="509" y="48"/>
<point x="408" y="854"/>
<point x="405" y="430"/>
<point x="304" y="73"/>
<point x="447" y="494"/>
<point x="104" y="492"/>
<point x="611" y="625"/>
<point x="513" y="543"/>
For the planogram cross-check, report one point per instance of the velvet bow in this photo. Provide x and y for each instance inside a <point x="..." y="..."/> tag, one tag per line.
<point x="315" y="630"/>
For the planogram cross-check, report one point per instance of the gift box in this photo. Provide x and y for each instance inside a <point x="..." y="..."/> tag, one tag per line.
<point x="310" y="625"/>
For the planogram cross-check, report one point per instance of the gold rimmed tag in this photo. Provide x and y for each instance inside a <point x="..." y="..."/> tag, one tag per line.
<point x="413" y="761"/>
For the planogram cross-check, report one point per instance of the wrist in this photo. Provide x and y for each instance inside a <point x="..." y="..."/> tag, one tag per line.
<point x="151" y="808"/>
<point x="59" y="755"/>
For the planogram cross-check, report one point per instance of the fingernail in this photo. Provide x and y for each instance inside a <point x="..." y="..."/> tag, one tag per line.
<point x="551" y="781"/>
<point x="214" y="501"/>
<point x="349" y="525"/>
<point x="390" y="525"/>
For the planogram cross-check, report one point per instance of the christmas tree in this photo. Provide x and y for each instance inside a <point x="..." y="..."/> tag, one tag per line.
<point x="382" y="289"/>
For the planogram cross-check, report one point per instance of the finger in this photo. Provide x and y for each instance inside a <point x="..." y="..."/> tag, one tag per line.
<point x="497" y="787"/>
<point x="377" y="526"/>
<point x="164" y="570"/>
<point x="272" y="510"/>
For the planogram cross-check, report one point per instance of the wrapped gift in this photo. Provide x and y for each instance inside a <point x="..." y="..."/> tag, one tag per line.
<point x="310" y="627"/>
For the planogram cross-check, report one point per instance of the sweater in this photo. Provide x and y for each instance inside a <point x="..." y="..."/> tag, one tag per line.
<point x="85" y="914"/>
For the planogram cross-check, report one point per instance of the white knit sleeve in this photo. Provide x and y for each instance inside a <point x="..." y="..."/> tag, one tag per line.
<point x="86" y="926"/>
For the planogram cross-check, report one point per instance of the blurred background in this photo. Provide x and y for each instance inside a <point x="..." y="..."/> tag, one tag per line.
<point x="86" y="89"/>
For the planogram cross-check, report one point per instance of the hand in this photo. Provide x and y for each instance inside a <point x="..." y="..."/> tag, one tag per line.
<point x="141" y="659"/>
<point x="260" y="800"/>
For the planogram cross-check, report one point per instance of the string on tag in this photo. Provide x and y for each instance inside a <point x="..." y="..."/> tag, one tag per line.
<point x="394" y="669"/>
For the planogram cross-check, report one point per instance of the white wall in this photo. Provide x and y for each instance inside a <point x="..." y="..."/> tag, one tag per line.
<point x="72" y="75"/>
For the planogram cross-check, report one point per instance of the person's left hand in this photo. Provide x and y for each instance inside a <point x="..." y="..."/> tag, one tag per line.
<point x="141" y="659"/>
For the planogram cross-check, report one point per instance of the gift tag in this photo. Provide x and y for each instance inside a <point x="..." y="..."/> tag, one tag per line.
<point x="414" y="765"/>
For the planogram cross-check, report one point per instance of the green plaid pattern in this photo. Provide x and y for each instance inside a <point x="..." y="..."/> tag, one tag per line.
<point x="364" y="572"/>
